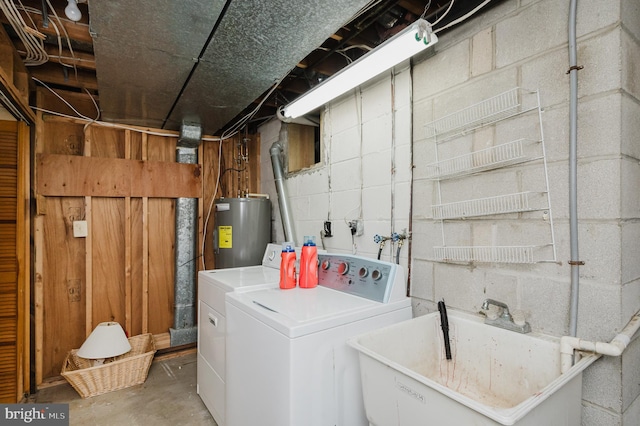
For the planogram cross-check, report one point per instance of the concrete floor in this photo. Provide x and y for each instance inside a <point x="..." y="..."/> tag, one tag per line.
<point x="167" y="397"/>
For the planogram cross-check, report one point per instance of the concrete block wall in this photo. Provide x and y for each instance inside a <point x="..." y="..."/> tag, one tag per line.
<point x="524" y="44"/>
<point x="373" y="137"/>
<point x="365" y="171"/>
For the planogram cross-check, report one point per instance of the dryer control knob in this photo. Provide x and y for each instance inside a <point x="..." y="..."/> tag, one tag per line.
<point x="326" y="264"/>
<point x="343" y="268"/>
<point x="363" y="272"/>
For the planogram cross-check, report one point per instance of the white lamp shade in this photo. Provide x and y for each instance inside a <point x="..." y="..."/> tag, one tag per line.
<point x="413" y="39"/>
<point x="105" y="341"/>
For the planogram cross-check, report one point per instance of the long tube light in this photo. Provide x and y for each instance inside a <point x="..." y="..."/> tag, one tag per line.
<point x="413" y="39"/>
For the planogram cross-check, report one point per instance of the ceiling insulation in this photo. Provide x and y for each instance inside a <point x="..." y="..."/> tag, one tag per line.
<point x="164" y="62"/>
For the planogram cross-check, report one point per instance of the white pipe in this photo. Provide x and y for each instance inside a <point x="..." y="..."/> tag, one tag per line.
<point x="615" y="348"/>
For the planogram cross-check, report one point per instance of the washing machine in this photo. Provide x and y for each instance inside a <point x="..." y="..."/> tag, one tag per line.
<point x="288" y="363"/>
<point x="212" y="287"/>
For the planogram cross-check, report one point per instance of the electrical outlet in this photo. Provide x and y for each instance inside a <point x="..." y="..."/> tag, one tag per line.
<point x="359" y="227"/>
<point x="80" y="228"/>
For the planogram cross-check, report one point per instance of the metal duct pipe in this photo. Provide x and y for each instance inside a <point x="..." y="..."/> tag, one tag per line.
<point x="184" y="329"/>
<point x="283" y="198"/>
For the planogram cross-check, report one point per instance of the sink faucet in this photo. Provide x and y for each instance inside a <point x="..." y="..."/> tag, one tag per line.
<point x="504" y="319"/>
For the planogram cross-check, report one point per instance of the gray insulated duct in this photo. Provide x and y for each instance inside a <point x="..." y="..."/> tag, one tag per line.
<point x="184" y="329"/>
<point x="283" y="197"/>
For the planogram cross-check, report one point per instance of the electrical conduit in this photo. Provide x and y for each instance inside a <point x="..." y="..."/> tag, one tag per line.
<point x="573" y="170"/>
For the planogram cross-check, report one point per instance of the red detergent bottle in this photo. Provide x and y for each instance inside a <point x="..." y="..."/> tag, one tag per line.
<point x="288" y="266"/>
<point x="309" y="263"/>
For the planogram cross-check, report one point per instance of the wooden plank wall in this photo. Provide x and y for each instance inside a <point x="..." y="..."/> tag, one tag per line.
<point x="124" y="269"/>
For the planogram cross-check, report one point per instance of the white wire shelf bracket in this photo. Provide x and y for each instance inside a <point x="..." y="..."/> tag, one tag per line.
<point x="489" y="254"/>
<point x="486" y="112"/>
<point x="502" y="204"/>
<point x="514" y="152"/>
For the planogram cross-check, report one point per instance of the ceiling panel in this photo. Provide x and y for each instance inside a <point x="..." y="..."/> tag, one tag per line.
<point x="145" y="52"/>
<point x="153" y="65"/>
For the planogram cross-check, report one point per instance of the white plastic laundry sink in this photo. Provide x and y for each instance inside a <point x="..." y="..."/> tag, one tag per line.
<point x="495" y="376"/>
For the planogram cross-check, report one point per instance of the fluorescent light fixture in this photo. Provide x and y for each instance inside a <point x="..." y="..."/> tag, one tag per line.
<point x="413" y="39"/>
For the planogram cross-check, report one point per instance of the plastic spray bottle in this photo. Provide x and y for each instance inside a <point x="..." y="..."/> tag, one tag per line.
<point x="288" y="266"/>
<point x="309" y="263"/>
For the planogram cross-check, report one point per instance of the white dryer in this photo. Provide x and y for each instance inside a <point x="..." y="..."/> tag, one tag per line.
<point x="288" y="363"/>
<point x="212" y="287"/>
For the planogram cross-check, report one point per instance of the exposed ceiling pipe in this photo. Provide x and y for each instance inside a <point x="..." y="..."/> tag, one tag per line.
<point x="283" y="197"/>
<point x="573" y="170"/>
<point x="184" y="329"/>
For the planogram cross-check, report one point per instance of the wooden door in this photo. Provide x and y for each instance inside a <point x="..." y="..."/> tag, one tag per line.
<point x="14" y="265"/>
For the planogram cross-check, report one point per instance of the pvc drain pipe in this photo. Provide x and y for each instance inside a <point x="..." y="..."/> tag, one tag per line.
<point x="568" y="344"/>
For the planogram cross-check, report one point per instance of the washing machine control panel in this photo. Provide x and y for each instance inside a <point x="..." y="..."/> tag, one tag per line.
<point x="369" y="278"/>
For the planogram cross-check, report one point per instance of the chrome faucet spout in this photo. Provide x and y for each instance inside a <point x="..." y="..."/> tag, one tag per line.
<point x="504" y="319"/>
<point x="505" y="309"/>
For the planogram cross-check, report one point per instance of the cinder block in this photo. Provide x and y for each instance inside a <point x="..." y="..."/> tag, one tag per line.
<point x="630" y="298"/>
<point x="345" y="145"/>
<point x="376" y="168"/>
<point x="402" y="88"/>
<point x="600" y="250"/>
<point x="474" y="91"/>
<point x="377" y="134"/>
<point x="319" y="206"/>
<point x="630" y="13"/>
<point x="376" y="98"/>
<point x="482" y="52"/>
<point x="549" y="315"/>
<point x="343" y="114"/>
<point x="547" y="72"/>
<point x="630" y="374"/>
<point x="630" y="127"/>
<point x="344" y="203"/>
<point x="602" y="58"/>
<point x="630" y="176"/>
<point x="376" y="202"/>
<point x="402" y="203"/>
<point x="631" y="416"/>
<point x="460" y="286"/>
<point x="590" y="21"/>
<point x="422" y="280"/>
<point x="630" y="65"/>
<point x="402" y="164"/>
<point x="345" y="175"/>
<point x="601" y="388"/>
<point x="599" y="186"/>
<point x="445" y="70"/>
<point x="527" y="33"/>
<point x="402" y="126"/>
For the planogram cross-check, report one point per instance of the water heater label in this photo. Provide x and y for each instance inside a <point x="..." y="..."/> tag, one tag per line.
<point x="224" y="237"/>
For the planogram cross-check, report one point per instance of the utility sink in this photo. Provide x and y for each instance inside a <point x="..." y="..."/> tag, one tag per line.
<point x="495" y="376"/>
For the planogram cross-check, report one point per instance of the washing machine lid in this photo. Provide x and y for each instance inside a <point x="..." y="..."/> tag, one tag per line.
<point x="300" y="311"/>
<point x="235" y="279"/>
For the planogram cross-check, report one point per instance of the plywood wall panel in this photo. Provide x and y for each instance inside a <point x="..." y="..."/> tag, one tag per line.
<point x="63" y="283"/>
<point x="161" y="261"/>
<point x="130" y="261"/>
<point x="108" y="275"/>
<point x="136" y="266"/>
<point x="106" y="142"/>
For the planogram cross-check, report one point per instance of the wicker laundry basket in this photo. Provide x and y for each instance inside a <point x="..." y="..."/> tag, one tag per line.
<point x="125" y="370"/>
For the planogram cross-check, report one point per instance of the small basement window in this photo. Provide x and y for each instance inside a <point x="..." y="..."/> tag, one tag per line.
<point x="304" y="146"/>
